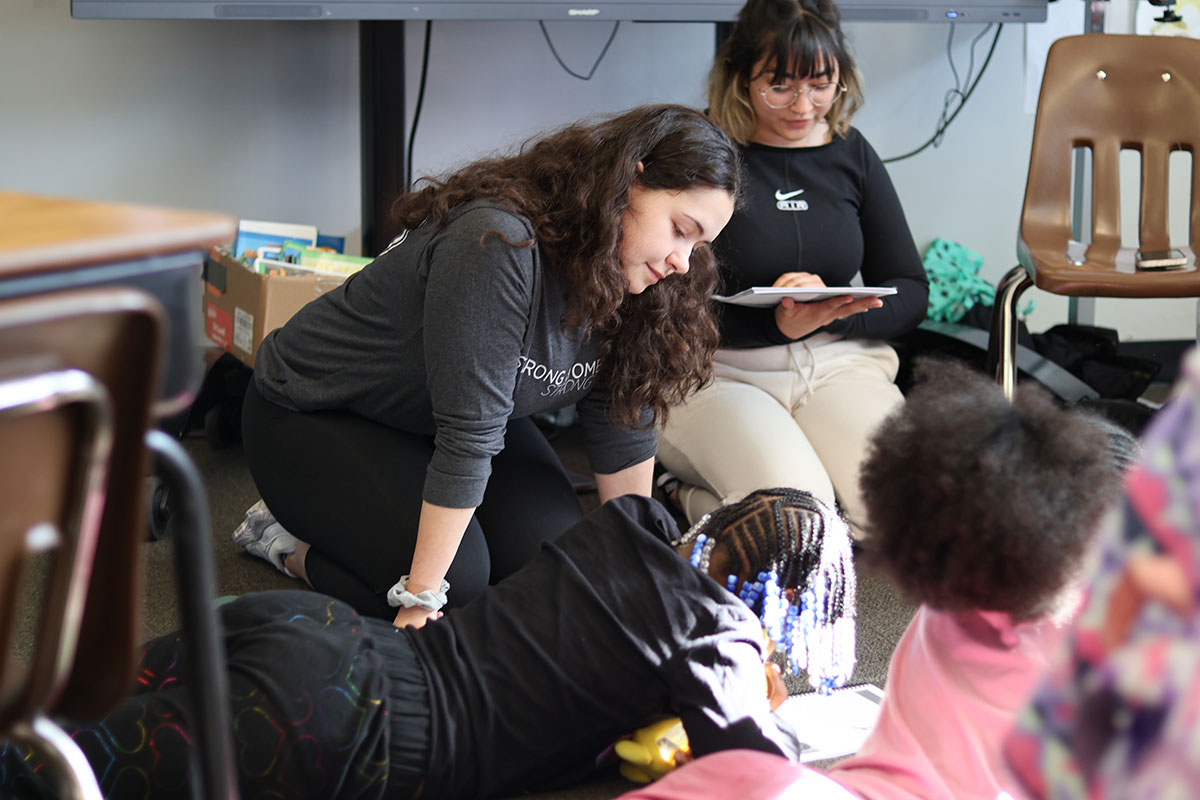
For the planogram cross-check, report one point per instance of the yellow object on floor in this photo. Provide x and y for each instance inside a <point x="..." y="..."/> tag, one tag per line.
<point x="650" y="752"/>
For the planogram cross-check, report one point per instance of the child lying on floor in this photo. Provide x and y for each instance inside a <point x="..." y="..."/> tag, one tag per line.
<point x="521" y="689"/>
<point x="981" y="511"/>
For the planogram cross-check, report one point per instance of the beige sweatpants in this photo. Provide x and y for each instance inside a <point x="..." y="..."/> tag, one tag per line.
<point x="797" y="415"/>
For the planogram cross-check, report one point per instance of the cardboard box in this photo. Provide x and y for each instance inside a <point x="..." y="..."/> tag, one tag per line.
<point x="241" y="307"/>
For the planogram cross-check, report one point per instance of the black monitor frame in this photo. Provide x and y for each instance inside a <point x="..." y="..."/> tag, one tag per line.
<point x="649" y="11"/>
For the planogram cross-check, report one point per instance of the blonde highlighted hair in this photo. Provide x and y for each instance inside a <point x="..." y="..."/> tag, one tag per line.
<point x="797" y="39"/>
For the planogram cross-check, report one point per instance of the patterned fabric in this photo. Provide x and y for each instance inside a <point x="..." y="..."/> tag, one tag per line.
<point x="319" y="732"/>
<point x="1119" y="715"/>
<point x="954" y="282"/>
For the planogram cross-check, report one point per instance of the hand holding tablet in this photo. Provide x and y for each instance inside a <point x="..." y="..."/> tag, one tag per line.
<point x="771" y="295"/>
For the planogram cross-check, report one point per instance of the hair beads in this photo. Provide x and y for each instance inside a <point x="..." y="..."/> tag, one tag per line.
<point x="786" y="540"/>
<point x="702" y="552"/>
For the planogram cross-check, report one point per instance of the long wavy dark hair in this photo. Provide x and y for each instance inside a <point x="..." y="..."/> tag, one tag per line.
<point x="573" y="185"/>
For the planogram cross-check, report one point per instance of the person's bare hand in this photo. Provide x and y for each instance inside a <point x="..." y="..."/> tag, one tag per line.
<point x="798" y="280"/>
<point x="776" y="689"/>
<point x="1146" y="578"/>
<point x="414" y="617"/>
<point x="800" y="319"/>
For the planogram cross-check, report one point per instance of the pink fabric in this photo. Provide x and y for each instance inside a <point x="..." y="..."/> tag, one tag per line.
<point x="954" y="687"/>
<point x="741" y="775"/>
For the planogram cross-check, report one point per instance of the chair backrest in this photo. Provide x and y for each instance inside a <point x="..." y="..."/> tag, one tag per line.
<point x="114" y="335"/>
<point x="1110" y="93"/>
<point x="56" y="434"/>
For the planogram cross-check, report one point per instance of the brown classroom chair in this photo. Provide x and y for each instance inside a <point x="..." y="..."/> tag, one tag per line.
<point x="1104" y="93"/>
<point x="60" y="424"/>
<point x="85" y="656"/>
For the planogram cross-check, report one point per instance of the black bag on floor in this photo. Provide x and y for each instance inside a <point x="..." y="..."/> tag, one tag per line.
<point x="1090" y="353"/>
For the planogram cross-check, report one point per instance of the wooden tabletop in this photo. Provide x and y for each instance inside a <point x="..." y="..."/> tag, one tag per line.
<point x="46" y="234"/>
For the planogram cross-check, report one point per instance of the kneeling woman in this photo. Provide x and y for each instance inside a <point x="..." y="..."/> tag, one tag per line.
<point x="388" y="424"/>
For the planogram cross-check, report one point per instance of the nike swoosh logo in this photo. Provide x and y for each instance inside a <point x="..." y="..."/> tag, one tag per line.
<point x="788" y="195"/>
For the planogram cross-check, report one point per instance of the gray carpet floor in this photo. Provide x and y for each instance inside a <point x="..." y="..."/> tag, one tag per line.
<point x="882" y="612"/>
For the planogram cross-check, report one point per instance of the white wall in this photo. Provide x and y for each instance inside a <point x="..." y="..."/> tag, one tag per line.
<point x="256" y="119"/>
<point x="493" y="84"/>
<point x="261" y="119"/>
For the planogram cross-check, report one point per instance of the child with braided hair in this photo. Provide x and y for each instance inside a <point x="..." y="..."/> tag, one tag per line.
<point x="982" y="511"/>
<point x="816" y="614"/>
<point x="811" y="621"/>
<point x="519" y="690"/>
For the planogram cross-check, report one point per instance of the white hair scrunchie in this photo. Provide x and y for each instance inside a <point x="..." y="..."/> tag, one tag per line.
<point x="399" y="596"/>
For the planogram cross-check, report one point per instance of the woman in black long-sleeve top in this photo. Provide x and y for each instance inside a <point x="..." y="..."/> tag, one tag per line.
<point x="799" y="386"/>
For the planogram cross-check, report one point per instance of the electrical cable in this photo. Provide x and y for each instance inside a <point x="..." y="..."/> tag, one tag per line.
<point x="599" y="58"/>
<point x="412" y="134"/>
<point x="950" y="56"/>
<point x="957" y="91"/>
<point x="943" y="120"/>
<point x="412" y="131"/>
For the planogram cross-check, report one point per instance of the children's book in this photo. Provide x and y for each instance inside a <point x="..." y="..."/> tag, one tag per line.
<point x="253" y="234"/>
<point x="326" y="261"/>
<point x="833" y="725"/>
<point x="273" y="267"/>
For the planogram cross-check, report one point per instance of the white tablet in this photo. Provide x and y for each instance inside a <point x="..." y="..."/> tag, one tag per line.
<point x="771" y="295"/>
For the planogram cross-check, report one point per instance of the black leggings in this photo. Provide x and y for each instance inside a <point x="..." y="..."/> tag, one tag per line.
<point x="352" y="489"/>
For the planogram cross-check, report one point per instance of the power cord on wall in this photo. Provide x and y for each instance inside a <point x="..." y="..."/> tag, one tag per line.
<point x="599" y="58"/>
<point x="958" y="91"/>
<point x="412" y="132"/>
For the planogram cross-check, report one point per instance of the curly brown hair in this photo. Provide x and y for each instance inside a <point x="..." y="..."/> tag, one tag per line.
<point x="978" y="503"/>
<point x="573" y="185"/>
<point x="790" y="34"/>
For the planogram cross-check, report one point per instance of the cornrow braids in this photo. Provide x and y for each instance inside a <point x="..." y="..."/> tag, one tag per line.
<point x="795" y="571"/>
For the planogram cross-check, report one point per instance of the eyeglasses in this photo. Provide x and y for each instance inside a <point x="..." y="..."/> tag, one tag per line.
<point x="783" y="96"/>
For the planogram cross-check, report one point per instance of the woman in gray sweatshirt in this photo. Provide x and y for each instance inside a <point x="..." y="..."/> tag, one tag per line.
<point x="388" y="424"/>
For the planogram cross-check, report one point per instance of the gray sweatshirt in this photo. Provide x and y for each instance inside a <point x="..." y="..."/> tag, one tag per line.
<point x="449" y="333"/>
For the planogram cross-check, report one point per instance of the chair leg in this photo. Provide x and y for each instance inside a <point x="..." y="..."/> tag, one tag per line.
<point x="204" y="648"/>
<point x="69" y="767"/>
<point x="1002" y="343"/>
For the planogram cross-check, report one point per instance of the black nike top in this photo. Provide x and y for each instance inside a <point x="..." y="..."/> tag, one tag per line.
<point x="830" y="210"/>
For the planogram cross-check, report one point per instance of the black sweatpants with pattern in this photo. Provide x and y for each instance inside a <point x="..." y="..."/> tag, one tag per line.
<point x="325" y="704"/>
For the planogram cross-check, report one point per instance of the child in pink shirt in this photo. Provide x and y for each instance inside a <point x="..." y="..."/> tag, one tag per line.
<point x="981" y="511"/>
<point x="955" y="683"/>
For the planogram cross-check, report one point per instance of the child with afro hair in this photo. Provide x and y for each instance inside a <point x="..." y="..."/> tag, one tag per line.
<point x="982" y="511"/>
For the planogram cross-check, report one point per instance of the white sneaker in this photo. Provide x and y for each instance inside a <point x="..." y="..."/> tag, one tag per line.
<point x="262" y="536"/>
<point x="258" y="516"/>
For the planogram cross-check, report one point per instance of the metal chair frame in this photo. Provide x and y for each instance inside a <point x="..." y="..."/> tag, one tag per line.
<point x="114" y="338"/>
